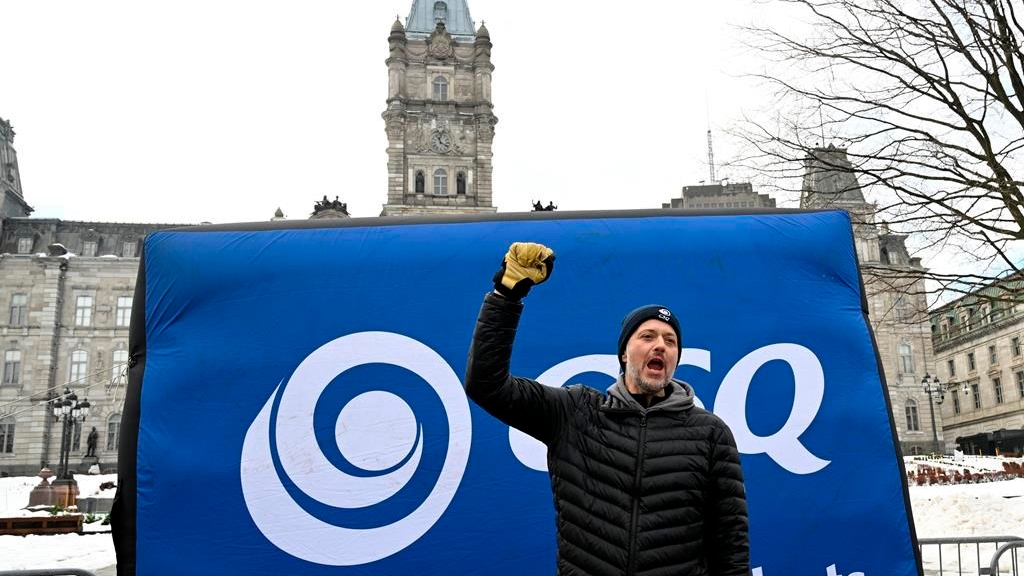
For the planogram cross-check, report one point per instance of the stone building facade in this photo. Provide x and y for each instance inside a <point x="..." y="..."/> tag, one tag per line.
<point x="66" y="291"/>
<point x="439" y="118"/>
<point x="65" y="328"/>
<point x="979" y="347"/>
<point x="720" y="196"/>
<point x="66" y="287"/>
<point x="897" y="306"/>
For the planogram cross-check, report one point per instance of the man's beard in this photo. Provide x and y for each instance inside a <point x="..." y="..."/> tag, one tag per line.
<point x="647" y="386"/>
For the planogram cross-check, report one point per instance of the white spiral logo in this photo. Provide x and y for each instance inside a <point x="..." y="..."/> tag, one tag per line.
<point x="376" y="431"/>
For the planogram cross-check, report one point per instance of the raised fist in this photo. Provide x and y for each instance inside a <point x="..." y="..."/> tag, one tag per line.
<point x="525" y="264"/>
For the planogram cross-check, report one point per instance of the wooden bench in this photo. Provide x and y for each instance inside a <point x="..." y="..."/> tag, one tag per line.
<point x="23" y="525"/>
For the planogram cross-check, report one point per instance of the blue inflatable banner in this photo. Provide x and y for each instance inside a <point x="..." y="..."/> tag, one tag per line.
<point x="298" y="407"/>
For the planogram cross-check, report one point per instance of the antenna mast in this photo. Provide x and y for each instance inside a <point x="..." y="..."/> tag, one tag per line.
<point x="711" y="150"/>
<point x="711" y="156"/>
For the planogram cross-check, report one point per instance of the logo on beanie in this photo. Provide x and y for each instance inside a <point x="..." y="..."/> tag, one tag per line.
<point x="664" y="314"/>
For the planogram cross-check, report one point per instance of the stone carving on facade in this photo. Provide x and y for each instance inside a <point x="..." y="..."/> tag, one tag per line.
<point x="417" y="138"/>
<point x="440" y="44"/>
<point x="394" y="125"/>
<point x="434" y="137"/>
<point x="442" y="141"/>
<point x="397" y="46"/>
<point x="6" y="131"/>
<point x="463" y="141"/>
<point x="485" y="128"/>
<point x="325" y="204"/>
<point x="392" y="83"/>
<point x="482" y="53"/>
<point x="397" y="49"/>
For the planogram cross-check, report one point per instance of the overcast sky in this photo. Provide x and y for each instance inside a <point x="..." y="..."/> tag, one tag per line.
<point x="223" y="111"/>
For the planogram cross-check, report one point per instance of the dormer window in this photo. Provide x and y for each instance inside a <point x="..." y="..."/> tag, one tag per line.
<point x="440" y="89"/>
<point x="25" y="245"/>
<point x="440" y="12"/>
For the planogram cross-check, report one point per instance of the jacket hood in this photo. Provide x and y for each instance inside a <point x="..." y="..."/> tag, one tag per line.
<point x="680" y="399"/>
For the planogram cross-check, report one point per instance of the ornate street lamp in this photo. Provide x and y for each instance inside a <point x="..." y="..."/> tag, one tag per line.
<point x="935" y="391"/>
<point x="68" y="410"/>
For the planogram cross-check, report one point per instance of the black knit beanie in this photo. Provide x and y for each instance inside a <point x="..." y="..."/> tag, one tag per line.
<point x="642" y="314"/>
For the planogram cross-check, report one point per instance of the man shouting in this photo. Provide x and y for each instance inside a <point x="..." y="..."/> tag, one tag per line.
<point x="644" y="482"/>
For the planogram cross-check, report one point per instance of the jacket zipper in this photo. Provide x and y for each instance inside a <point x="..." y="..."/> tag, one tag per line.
<point x="636" y="499"/>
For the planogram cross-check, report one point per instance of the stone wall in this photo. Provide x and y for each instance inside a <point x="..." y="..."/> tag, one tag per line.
<point x="48" y="340"/>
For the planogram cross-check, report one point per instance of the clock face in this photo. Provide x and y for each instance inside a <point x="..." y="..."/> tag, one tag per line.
<point x="441" y="142"/>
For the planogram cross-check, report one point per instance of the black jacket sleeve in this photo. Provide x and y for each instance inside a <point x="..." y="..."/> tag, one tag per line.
<point x="728" y="527"/>
<point x="522" y="403"/>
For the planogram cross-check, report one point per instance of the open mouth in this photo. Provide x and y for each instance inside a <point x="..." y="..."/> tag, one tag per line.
<point x="656" y="364"/>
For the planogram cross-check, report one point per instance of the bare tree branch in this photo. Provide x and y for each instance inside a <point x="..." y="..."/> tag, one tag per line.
<point x="926" y="97"/>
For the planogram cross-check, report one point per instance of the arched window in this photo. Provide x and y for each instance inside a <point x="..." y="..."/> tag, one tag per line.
<point x="906" y="355"/>
<point x="460" y="183"/>
<point x="440" y="182"/>
<point x="113" y="432"/>
<point x="440" y="88"/>
<point x="913" y="423"/>
<point x="419" y="182"/>
<point x="884" y="256"/>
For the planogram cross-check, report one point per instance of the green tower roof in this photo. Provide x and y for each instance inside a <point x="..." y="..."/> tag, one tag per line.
<point x="425" y="14"/>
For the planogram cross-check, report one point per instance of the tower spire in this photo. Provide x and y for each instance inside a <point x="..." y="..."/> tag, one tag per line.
<point x="12" y="200"/>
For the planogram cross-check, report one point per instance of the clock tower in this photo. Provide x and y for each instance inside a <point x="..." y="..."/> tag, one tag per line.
<point x="439" y="117"/>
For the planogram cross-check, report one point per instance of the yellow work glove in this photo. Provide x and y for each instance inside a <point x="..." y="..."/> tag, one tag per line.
<point x="525" y="264"/>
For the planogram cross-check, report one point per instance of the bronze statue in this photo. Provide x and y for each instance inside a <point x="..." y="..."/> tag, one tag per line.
<point x="91" y="441"/>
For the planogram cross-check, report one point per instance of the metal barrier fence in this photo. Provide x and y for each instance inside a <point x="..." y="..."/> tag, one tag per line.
<point x="1014" y="565"/>
<point x="966" y="556"/>
<point x="939" y="557"/>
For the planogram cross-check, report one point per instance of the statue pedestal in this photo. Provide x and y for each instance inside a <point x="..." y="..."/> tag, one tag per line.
<point x="90" y="465"/>
<point x="65" y="492"/>
<point x="42" y="495"/>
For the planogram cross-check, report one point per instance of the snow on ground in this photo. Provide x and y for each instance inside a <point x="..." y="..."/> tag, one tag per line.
<point x="14" y="492"/>
<point x="955" y="510"/>
<point x="993" y="508"/>
<point x="89" y="551"/>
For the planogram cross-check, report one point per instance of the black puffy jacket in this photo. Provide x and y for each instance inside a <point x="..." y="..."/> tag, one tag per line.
<point x="652" y="492"/>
